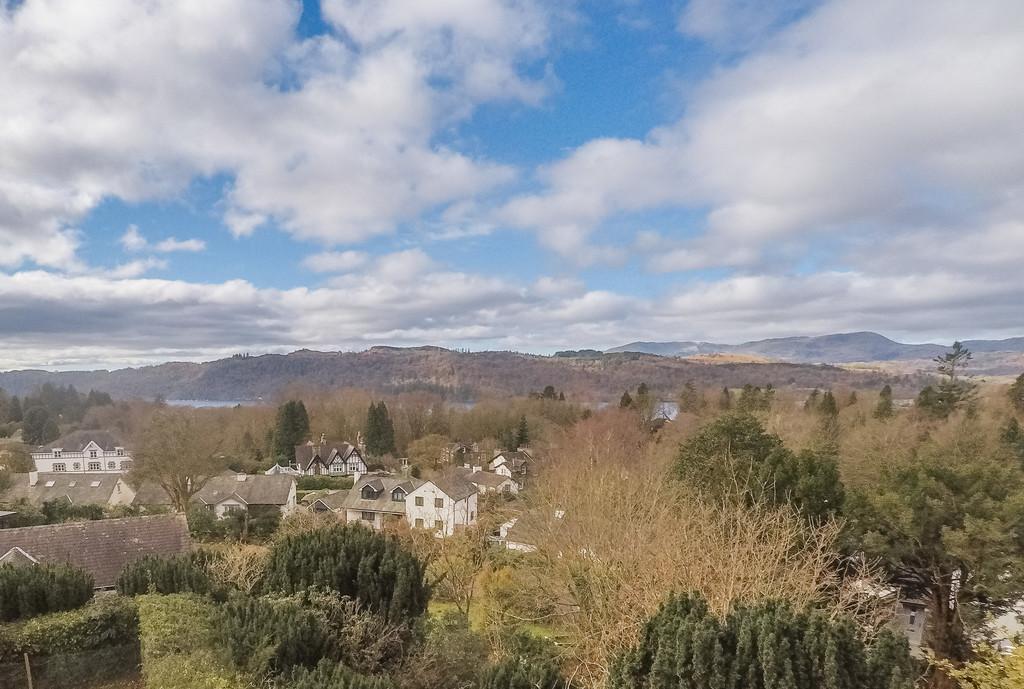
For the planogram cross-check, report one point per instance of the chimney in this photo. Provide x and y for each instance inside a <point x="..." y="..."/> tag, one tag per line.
<point x="355" y="478"/>
<point x="33" y="478"/>
<point x="323" y="438"/>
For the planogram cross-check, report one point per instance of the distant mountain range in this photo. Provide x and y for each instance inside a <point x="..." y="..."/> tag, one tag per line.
<point x="832" y="349"/>
<point x="586" y="374"/>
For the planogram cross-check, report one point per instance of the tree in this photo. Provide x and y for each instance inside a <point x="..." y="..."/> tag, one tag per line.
<point x="179" y="450"/>
<point x="725" y="400"/>
<point x="380" y="430"/>
<point x="1015" y="393"/>
<point x="14" y="410"/>
<point x="946" y="524"/>
<point x="428" y="451"/>
<point x="884" y="408"/>
<point x="626" y="401"/>
<point x="812" y="401"/>
<point x="828" y="406"/>
<point x="953" y="392"/>
<point x="291" y="429"/>
<point x="549" y="392"/>
<point x="41" y="588"/>
<point x="1012" y="436"/>
<point x="39" y="427"/>
<point x="523" y="433"/>
<point x="365" y="565"/>
<point x="734" y="457"/>
<point x="691" y="400"/>
<point x="769" y="645"/>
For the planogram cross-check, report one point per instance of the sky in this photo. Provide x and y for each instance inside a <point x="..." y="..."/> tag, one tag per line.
<point x="187" y="179"/>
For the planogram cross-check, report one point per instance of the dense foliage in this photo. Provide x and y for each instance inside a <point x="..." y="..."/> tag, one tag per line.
<point x="271" y="637"/>
<point x="154" y="574"/>
<point x="291" y="429"/>
<point x="108" y="621"/>
<point x="328" y="675"/>
<point x="734" y="456"/>
<point x="372" y="568"/>
<point x="35" y="590"/>
<point x="769" y="646"/>
<point x="380" y="430"/>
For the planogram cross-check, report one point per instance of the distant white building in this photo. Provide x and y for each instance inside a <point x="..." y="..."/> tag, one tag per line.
<point x="93" y="452"/>
<point x="440" y="505"/>
<point x="514" y="465"/>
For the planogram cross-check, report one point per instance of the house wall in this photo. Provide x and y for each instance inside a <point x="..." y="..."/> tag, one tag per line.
<point x="293" y="501"/>
<point x="222" y="509"/>
<point x="452" y="515"/>
<point x="123" y="493"/>
<point x="45" y="462"/>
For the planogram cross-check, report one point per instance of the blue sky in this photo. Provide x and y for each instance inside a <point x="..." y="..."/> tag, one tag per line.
<point x="188" y="179"/>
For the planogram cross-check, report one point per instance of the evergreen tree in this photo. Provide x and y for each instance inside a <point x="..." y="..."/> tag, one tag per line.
<point x="812" y="401"/>
<point x="522" y="433"/>
<point x="884" y="408"/>
<point x="380" y="430"/>
<point x="691" y="400"/>
<point x="14" y="410"/>
<point x="725" y="400"/>
<point x="626" y="401"/>
<point x="561" y="396"/>
<point x="164" y="575"/>
<point x="953" y="392"/>
<point x="549" y="392"/>
<point x="39" y="427"/>
<point x="291" y="429"/>
<point x="767" y="646"/>
<point x="40" y="589"/>
<point x="1012" y="436"/>
<point x="1016" y="393"/>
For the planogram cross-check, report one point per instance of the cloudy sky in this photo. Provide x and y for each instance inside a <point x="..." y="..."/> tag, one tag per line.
<point x="184" y="179"/>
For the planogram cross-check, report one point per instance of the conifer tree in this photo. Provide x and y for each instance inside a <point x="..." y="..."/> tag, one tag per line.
<point x="884" y="408"/>
<point x="291" y="429"/>
<point x="522" y="433"/>
<point x="725" y="400"/>
<point x="14" y="410"/>
<point x="626" y="401"/>
<point x="691" y="400"/>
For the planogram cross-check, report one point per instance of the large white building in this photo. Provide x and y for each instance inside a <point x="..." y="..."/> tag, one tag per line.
<point x="440" y="505"/>
<point x="92" y="452"/>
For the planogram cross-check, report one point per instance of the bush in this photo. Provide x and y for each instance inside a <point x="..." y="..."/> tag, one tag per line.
<point x="328" y="675"/>
<point x="323" y="483"/>
<point x="179" y="642"/>
<point x="29" y="591"/>
<point x="769" y="646"/>
<point x="106" y="622"/>
<point x="519" y="673"/>
<point x="364" y="565"/>
<point x="178" y="574"/>
<point x="264" y="637"/>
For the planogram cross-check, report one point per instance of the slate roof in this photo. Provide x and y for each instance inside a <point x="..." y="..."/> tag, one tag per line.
<point x="384" y="485"/>
<point x="75" y="441"/>
<point x="102" y="547"/>
<point x="517" y="460"/>
<point x="483" y="478"/>
<point x="333" y="499"/>
<point x="77" y="488"/>
<point x="455" y="487"/>
<point x="256" y="489"/>
<point x="307" y="452"/>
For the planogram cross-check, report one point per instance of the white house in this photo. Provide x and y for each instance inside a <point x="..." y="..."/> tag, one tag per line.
<point x="94" y="452"/>
<point x="328" y="458"/>
<point x="443" y="505"/>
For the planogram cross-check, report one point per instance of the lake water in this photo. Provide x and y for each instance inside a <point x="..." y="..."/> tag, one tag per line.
<point x="199" y="404"/>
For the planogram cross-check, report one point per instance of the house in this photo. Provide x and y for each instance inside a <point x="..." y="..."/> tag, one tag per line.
<point x="457" y="453"/>
<point x="513" y="535"/>
<point x="327" y="458"/>
<point x="443" y="504"/>
<point x="230" y="493"/>
<point x="325" y="501"/>
<point x="512" y="464"/>
<point x="281" y="469"/>
<point x="488" y="481"/>
<point x="94" y="452"/>
<point x="102" y="547"/>
<point x="35" y="488"/>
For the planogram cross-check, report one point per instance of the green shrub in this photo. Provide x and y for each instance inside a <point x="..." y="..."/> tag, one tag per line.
<point x="264" y="637"/>
<point x="29" y="591"/>
<point x="179" y="574"/>
<point x="519" y="673"/>
<point x="372" y="568"/>
<point x="769" y="646"/>
<point x="328" y="675"/>
<point x="106" y="622"/>
<point x="323" y="483"/>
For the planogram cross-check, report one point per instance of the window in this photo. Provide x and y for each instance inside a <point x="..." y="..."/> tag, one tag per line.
<point x="56" y="453"/>
<point x="419" y="523"/>
<point x="111" y="465"/>
<point x="95" y="484"/>
<point x="76" y="466"/>
<point x="233" y="509"/>
<point x="368" y="493"/>
<point x="60" y="466"/>
<point x="439" y="503"/>
<point x="438" y="525"/>
<point x="368" y="516"/>
<point x="398" y="495"/>
<point x="120" y="452"/>
<point x="419" y="501"/>
<point x="126" y="465"/>
<point x="506" y="489"/>
<point x="95" y="466"/>
<point x="92" y="454"/>
<point x="49" y="484"/>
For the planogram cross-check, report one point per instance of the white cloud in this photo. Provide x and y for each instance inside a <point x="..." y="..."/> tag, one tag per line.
<point x="736" y="24"/>
<point x="334" y="261"/>
<point x="133" y="241"/>
<point x="133" y="269"/>
<point x="333" y="139"/>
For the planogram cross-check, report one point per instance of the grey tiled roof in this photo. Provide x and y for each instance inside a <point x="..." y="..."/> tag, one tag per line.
<point x="306" y="453"/>
<point x="256" y="489"/>
<point x="75" y="441"/>
<point x="384" y="485"/>
<point x="101" y="547"/>
<point x="77" y="488"/>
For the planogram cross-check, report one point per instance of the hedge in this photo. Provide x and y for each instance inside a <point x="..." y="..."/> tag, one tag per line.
<point x="328" y="675"/>
<point x="37" y="590"/>
<point x="265" y="637"/>
<point x="106" y="622"/>
<point x="153" y="574"/>
<point x="371" y="567"/>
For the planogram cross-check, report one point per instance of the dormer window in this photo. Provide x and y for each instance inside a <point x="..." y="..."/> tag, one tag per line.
<point x="120" y="451"/>
<point x="368" y="493"/>
<point x="398" y="495"/>
<point x="92" y="454"/>
<point x="56" y="453"/>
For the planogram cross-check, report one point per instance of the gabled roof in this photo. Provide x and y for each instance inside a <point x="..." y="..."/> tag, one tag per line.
<point x="483" y="478"/>
<point x="76" y="441"/>
<point x="326" y="452"/>
<point x="256" y="489"/>
<point x="331" y="499"/>
<point x="384" y="485"/>
<point x="102" y="547"/>
<point x="455" y="487"/>
<point x="76" y="488"/>
<point x="516" y="460"/>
